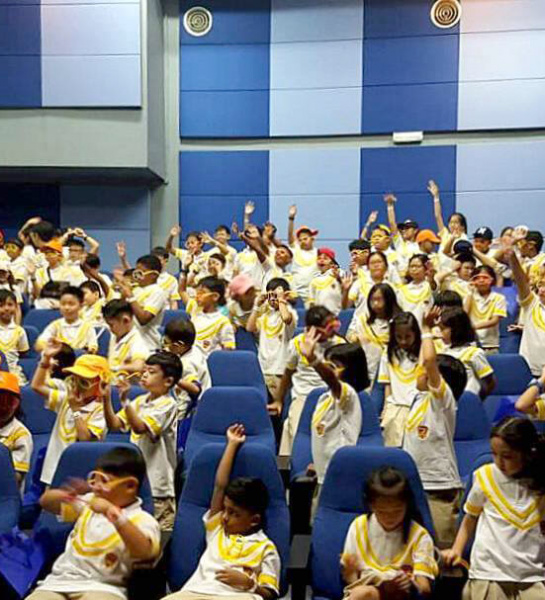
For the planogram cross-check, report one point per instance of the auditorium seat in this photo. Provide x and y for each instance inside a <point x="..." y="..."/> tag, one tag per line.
<point x="32" y="334"/>
<point x="10" y="498"/>
<point x="512" y="374"/>
<point x="40" y="318"/>
<point x="172" y="315"/>
<point x="236" y="368"/>
<point x="472" y="435"/>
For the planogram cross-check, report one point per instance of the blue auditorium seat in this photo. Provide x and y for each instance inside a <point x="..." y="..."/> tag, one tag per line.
<point x="512" y="374"/>
<point x="341" y="501"/>
<point x="40" y="318"/>
<point x="345" y="317"/>
<point x="171" y="315"/>
<point x="104" y="341"/>
<point x="245" y="340"/>
<point x="10" y="498"/>
<point x="28" y="364"/>
<point x="509" y="341"/>
<point x="220" y="407"/>
<point x="32" y="334"/>
<point x="236" y="368"/>
<point x="472" y="435"/>
<point x="188" y="539"/>
<point x="78" y="460"/>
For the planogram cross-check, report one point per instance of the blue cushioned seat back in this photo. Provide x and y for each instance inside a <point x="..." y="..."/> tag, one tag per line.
<point x="345" y="317"/>
<point x="104" y="336"/>
<point x="236" y="368"/>
<point x="174" y="315"/>
<point x="245" y="340"/>
<point x="36" y="417"/>
<point x="40" y="318"/>
<point x="32" y="334"/>
<point x="512" y="374"/>
<point x="10" y="499"/>
<point x="188" y="539"/>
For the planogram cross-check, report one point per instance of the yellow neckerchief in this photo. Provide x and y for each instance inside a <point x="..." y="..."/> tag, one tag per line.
<point x="300" y="260"/>
<point x="416" y="296"/>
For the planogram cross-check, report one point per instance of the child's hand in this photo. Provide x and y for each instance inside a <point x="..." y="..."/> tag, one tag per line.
<point x="292" y="213"/>
<point x="433" y="188"/>
<point x="347" y="281"/>
<point x="101" y="506"/>
<point x="275" y="408"/>
<point x="236" y="434"/>
<point x="432" y="317"/>
<point x="520" y="233"/>
<point x="175" y="231"/>
<point x="235" y="229"/>
<point x="402" y="582"/>
<point x="235" y="579"/>
<point x="281" y="296"/>
<point x="262" y="298"/>
<point x="311" y="470"/>
<point x="249" y="208"/>
<point x="52" y="348"/>
<point x="372" y="217"/>
<point x="121" y="249"/>
<point x="207" y="238"/>
<point x="450" y="557"/>
<point x="308" y="345"/>
<point x="123" y="385"/>
<point x="75" y="487"/>
<point x="390" y="199"/>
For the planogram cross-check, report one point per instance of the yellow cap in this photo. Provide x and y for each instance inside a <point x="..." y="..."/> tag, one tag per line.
<point x="54" y="245"/>
<point x="9" y="382"/>
<point x="90" y="366"/>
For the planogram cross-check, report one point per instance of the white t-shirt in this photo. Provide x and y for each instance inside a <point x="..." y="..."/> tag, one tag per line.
<point x="405" y="251"/>
<point x="484" y="309"/>
<point x="385" y="553"/>
<point x="373" y="339"/>
<point x="214" y="330"/>
<point x="509" y="543"/>
<point x="253" y="554"/>
<point x="247" y="263"/>
<point x="532" y="345"/>
<point x="304" y="269"/>
<point x="129" y="348"/>
<point x="63" y="272"/>
<point x="416" y="298"/>
<point x="18" y="440"/>
<point x="78" y="335"/>
<point x="95" y="558"/>
<point x="336" y="422"/>
<point x="169" y="283"/>
<point x="401" y="375"/>
<point x="429" y="438"/>
<point x="152" y="299"/>
<point x="158" y="444"/>
<point x="93" y="314"/>
<point x="13" y="341"/>
<point x="195" y="370"/>
<point x="476" y="364"/>
<point x="274" y="338"/>
<point x="325" y="290"/>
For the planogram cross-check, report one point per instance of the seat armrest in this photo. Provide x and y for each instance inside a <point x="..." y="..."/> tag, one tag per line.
<point x="284" y="465"/>
<point x="298" y="568"/>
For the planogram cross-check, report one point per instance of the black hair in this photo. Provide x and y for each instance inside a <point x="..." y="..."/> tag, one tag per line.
<point x="16" y="242"/>
<point x="506" y="229"/>
<point x="128" y="272"/>
<point x="71" y="290"/>
<point x="45" y="230"/>
<point x="423" y="258"/>
<point x="169" y="363"/>
<point x="277" y="282"/>
<point x="391" y="307"/>
<point x="459" y="323"/>
<point x="453" y="372"/>
<point x="53" y="289"/>
<point x="466" y="257"/>
<point x="404" y="319"/>
<point x="219" y="256"/>
<point x="488" y="270"/>
<point x="223" y="228"/>
<point x="393" y="483"/>
<point x="195" y="234"/>
<point x="151" y="262"/>
<point x="536" y="238"/>
<point x="92" y="261"/>
<point x="249" y="493"/>
<point x="359" y="245"/>
<point x="159" y="251"/>
<point x="181" y="330"/>
<point x="92" y="286"/>
<point x="448" y="299"/>
<point x="123" y="462"/>
<point x="352" y="358"/>
<point x="461" y="218"/>
<point x="272" y="225"/>
<point x="72" y="241"/>
<point x="316" y="316"/>
<point x="215" y="285"/>
<point x="7" y="295"/>
<point x="381" y="254"/>
<point x="521" y="435"/>
<point x="116" y="308"/>
<point x="286" y="247"/>
<point x="65" y="357"/>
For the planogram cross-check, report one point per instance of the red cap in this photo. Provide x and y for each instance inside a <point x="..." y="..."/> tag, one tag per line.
<point x="328" y="252"/>
<point x="300" y="230"/>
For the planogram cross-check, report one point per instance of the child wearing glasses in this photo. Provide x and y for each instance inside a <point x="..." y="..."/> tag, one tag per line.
<point x="111" y="533"/>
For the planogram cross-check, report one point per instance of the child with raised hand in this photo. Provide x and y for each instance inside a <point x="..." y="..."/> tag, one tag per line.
<point x="486" y="308"/>
<point x="429" y="431"/>
<point x="13" y="434"/>
<point x="457" y="223"/>
<point x="532" y="401"/>
<point x="239" y="560"/>
<point x="326" y="289"/>
<point x="275" y="321"/>
<point x="78" y="402"/>
<point x="93" y="303"/>
<point x="398" y="372"/>
<point x="416" y="296"/>
<point x="168" y="282"/>
<point x="396" y="561"/>
<point x="459" y="339"/>
<point x="220" y="245"/>
<point x="504" y="518"/>
<point x="152" y="421"/>
<point x="192" y="258"/>
<point x="457" y="277"/>
<point x="111" y="533"/>
<point x="305" y="255"/>
<point x="13" y="338"/>
<point x="337" y="418"/>
<point x="403" y="234"/>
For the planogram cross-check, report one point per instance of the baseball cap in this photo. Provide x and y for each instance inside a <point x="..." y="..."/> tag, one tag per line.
<point x="407" y="223"/>
<point x="90" y="366"/>
<point x="54" y="245"/>
<point x="9" y="382"/>
<point x="462" y="247"/>
<point x="328" y="252"/>
<point x="306" y="228"/>
<point x="427" y="235"/>
<point x="484" y="233"/>
<point x="240" y="285"/>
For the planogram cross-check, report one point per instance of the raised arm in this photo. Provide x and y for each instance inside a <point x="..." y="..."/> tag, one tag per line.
<point x="249" y="209"/>
<point x="94" y="245"/>
<point x="371" y="220"/>
<point x="251" y="325"/>
<point x="169" y="245"/>
<point x="236" y="436"/>
<point x="390" y="200"/>
<point x="527" y="402"/>
<point x="519" y="275"/>
<point x="113" y="422"/>
<point x="433" y="189"/>
<point x="308" y="347"/>
<point x="122" y="253"/>
<point x="429" y="356"/>
<point x="39" y="379"/>
<point x="291" y="224"/>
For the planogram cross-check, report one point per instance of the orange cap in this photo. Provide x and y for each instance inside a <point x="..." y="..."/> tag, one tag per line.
<point x="90" y="366"/>
<point x="9" y="383"/>
<point x="54" y="245"/>
<point x="427" y="235"/>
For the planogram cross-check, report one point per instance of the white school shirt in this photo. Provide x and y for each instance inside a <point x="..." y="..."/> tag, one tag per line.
<point x="199" y="264"/>
<point x="15" y="290"/>
<point x="95" y="558"/>
<point x="13" y="341"/>
<point x="18" y="440"/>
<point x="336" y="422"/>
<point x="152" y="299"/>
<point x="237" y="315"/>
<point x="63" y="272"/>
<point x="194" y="370"/>
<point x="532" y="344"/>
<point x="304" y="269"/>
<point x="127" y="349"/>
<point x="416" y="298"/>
<point x="93" y="314"/>
<point x="19" y="269"/>
<point x="274" y="338"/>
<point x="247" y="263"/>
<point x="483" y="309"/>
<point x="230" y="258"/>
<point x="158" y="444"/>
<point x="385" y="553"/>
<point x="64" y="430"/>
<point x="78" y="335"/>
<point x="373" y="339"/>
<point x="458" y="285"/>
<point x="476" y="364"/>
<point x="401" y="375"/>
<point x="429" y="438"/>
<point x="509" y="543"/>
<point x="305" y="379"/>
<point x="405" y="250"/>
<point x="273" y="271"/>
<point x="253" y="554"/>
<point x="359" y="290"/>
<point x="214" y="330"/>
<point x="325" y="290"/>
<point x="169" y="283"/>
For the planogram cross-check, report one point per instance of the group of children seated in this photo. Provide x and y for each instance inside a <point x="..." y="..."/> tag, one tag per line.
<point x="425" y="318"/>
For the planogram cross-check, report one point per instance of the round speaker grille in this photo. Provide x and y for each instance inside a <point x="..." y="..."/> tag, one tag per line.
<point x="198" y="21"/>
<point x="446" y="13"/>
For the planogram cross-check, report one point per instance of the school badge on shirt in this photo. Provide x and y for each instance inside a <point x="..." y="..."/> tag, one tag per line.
<point x="423" y="432"/>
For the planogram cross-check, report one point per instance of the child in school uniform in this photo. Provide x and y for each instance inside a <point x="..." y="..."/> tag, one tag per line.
<point x="70" y="329"/>
<point x="387" y="553"/>
<point x="242" y="293"/>
<point x="8" y="283"/>
<point x="13" y="434"/>
<point x="457" y="223"/>
<point x="305" y="255"/>
<point x="416" y="296"/>
<point x="152" y="422"/>
<point x="193" y="258"/>
<point x="429" y="431"/>
<point x="167" y="281"/>
<point x="78" y="402"/>
<point x="504" y="516"/>
<point x="93" y="303"/>
<point x="377" y="271"/>
<point x="220" y="245"/>
<point x="111" y="531"/>
<point x="403" y="234"/>
<point x="275" y="321"/>
<point x="457" y="277"/>
<point x="13" y="338"/>
<point x="56" y="269"/>
<point x="326" y="288"/>
<point x="18" y="264"/>
<point x="240" y="561"/>
<point x="532" y="401"/>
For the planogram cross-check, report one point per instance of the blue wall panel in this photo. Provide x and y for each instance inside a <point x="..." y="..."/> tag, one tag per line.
<point x="21" y="81"/>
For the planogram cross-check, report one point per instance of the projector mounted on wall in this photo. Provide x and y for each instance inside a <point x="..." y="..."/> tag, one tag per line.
<point x="446" y="13"/>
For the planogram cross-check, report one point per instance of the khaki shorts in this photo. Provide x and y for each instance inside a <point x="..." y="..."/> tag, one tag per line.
<point x="393" y="420"/>
<point x="445" y="508"/>
<point x="479" y="589"/>
<point x="290" y="426"/>
<point x="181" y="595"/>
<point x="273" y="384"/>
<point x="164" y="510"/>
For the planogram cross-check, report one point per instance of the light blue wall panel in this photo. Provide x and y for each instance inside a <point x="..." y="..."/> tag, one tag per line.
<point x="302" y="65"/>
<point x="311" y="172"/>
<point x="109" y="29"/>
<point x="315" y="112"/>
<point x="504" y="15"/>
<point x="91" y="81"/>
<point x="316" y="20"/>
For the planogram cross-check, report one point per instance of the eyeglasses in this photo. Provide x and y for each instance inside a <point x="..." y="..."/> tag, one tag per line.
<point x="138" y="274"/>
<point x="99" y="481"/>
<point x="81" y="383"/>
<point x="169" y="346"/>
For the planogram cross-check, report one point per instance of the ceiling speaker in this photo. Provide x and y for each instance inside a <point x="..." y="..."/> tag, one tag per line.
<point x="198" y="21"/>
<point x="446" y="13"/>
